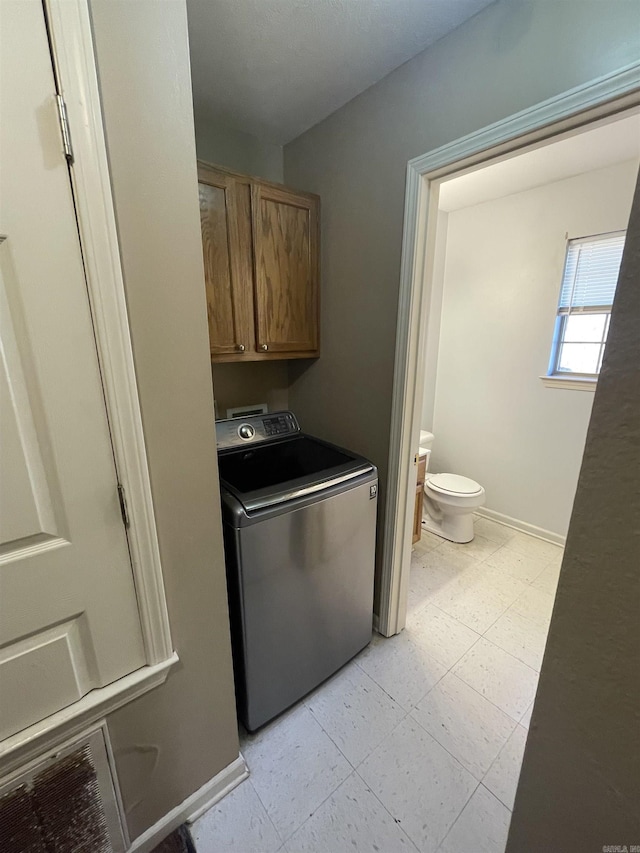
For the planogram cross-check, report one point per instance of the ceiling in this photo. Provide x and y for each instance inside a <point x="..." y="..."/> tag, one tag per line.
<point x="274" y="68"/>
<point x="584" y="151"/>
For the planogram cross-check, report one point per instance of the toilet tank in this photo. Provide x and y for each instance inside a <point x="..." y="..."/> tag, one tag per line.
<point x="426" y="439"/>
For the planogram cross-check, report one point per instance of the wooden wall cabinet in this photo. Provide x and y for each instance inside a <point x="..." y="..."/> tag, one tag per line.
<point x="260" y="244"/>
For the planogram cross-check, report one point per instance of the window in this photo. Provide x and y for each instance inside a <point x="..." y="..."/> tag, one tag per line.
<point x="584" y="309"/>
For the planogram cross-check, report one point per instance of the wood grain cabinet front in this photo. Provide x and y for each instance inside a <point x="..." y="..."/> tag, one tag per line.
<point x="261" y="260"/>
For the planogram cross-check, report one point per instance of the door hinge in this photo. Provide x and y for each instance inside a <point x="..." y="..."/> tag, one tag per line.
<point x="64" y="127"/>
<point x="123" y="505"/>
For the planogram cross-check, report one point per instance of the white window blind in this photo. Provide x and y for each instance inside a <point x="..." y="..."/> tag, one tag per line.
<point x="591" y="272"/>
<point x="588" y="286"/>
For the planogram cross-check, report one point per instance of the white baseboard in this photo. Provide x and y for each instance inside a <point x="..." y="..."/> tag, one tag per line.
<point x="194" y="806"/>
<point x="523" y="526"/>
<point x="219" y="787"/>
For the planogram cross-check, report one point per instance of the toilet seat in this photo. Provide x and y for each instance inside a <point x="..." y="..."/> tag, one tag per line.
<point x="453" y="484"/>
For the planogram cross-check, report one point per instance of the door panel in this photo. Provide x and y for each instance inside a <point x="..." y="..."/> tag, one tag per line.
<point x="68" y="613"/>
<point x="285" y="234"/>
<point x="27" y="516"/>
<point x="64" y="675"/>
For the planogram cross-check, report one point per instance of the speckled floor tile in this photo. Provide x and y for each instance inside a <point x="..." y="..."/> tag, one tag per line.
<point x="556" y="560"/>
<point x="294" y="767"/>
<point x="355" y="712"/>
<point x="419" y="783"/>
<point x="427" y="542"/>
<point x="518" y="565"/>
<point x="547" y="580"/>
<point x="444" y="638"/>
<point x="466" y="724"/>
<point x="525" y="720"/>
<point x="451" y="557"/>
<point x="534" y="547"/>
<point x="477" y="605"/>
<point x="479" y="597"/>
<point x="493" y="530"/>
<point x="499" y="677"/>
<point x="522" y="637"/>
<point x="479" y="548"/>
<point x="502" y="777"/>
<point x="425" y="581"/>
<point x="402" y="667"/>
<point x="482" y="827"/>
<point x="352" y="819"/>
<point x="536" y="605"/>
<point x="238" y="822"/>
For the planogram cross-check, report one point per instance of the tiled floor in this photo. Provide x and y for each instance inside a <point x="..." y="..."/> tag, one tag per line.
<point x="417" y="743"/>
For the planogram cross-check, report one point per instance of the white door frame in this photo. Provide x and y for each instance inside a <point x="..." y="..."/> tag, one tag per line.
<point x="75" y="69"/>
<point x="72" y="42"/>
<point x="598" y="99"/>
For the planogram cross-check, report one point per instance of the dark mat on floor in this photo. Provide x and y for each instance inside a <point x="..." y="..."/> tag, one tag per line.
<point x="178" y="842"/>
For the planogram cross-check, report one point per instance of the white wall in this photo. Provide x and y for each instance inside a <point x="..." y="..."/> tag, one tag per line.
<point x="494" y="420"/>
<point x="434" y="320"/>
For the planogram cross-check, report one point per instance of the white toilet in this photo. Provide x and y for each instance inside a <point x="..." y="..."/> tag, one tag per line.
<point x="449" y="500"/>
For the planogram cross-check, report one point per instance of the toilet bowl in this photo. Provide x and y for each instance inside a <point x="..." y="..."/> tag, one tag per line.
<point x="449" y="501"/>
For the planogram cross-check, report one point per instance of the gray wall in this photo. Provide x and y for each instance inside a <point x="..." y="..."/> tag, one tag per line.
<point x="239" y="151"/>
<point x="238" y="384"/>
<point x="493" y="419"/>
<point x="579" y="787"/>
<point x="509" y="57"/>
<point x="171" y="741"/>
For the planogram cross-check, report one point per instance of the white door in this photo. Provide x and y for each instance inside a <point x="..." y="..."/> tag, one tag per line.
<point x="68" y="614"/>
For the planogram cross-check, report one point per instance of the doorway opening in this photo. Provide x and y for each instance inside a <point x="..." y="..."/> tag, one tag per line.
<point x="494" y="148"/>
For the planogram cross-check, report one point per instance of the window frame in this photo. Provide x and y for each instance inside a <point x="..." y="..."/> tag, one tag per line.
<point x="558" y="339"/>
<point x="560" y="378"/>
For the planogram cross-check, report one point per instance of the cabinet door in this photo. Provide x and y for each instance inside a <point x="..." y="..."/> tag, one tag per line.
<point x="286" y="258"/>
<point x="226" y="246"/>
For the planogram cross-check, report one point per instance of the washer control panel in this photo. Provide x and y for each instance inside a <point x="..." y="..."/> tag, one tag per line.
<point x="234" y="432"/>
<point x="280" y="424"/>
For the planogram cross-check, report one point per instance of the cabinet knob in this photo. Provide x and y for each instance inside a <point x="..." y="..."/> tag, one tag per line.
<point x="264" y="347"/>
<point x="240" y="347"/>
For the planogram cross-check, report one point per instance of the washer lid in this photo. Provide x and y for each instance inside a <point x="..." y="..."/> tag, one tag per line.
<point x="453" y="484"/>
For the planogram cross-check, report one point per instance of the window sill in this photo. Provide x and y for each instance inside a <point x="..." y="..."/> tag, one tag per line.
<point x="565" y="382"/>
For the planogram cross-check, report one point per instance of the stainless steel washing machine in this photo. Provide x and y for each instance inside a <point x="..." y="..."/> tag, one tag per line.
<point x="299" y="517"/>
